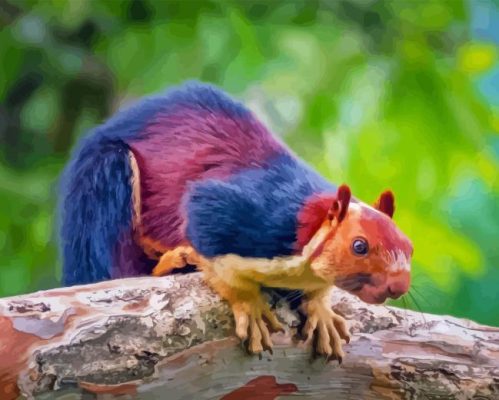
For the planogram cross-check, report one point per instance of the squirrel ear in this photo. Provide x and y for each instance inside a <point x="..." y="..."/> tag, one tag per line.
<point x="340" y="205"/>
<point x="386" y="203"/>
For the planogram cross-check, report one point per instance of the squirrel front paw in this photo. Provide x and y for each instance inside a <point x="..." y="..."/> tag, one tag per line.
<point x="328" y="327"/>
<point x="250" y="325"/>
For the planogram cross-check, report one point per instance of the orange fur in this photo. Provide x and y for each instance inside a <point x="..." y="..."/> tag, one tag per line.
<point x="179" y="257"/>
<point x="326" y="256"/>
<point x="136" y="198"/>
<point x="150" y="246"/>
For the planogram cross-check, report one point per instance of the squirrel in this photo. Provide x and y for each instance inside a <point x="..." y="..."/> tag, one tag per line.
<point x="192" y="177"/>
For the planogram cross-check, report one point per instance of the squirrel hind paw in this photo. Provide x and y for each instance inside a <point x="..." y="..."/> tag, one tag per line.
<point x="177" y="258"/>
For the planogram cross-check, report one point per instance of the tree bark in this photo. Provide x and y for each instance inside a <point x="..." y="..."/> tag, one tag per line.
<point x="172" y="338"/>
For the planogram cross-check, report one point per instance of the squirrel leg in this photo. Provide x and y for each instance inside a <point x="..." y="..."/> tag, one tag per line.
<point x="178" y="257"/>
<point x="327" y="326"/>
<point x="252" y="314"/>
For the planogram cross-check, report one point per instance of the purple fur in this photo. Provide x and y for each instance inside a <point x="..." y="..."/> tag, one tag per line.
<point x="129" y="259"/>
<point x="191" y="144"/>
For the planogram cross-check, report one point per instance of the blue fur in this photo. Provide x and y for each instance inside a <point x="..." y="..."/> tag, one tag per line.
<point x="95" y="206"/>
<point x="253" y="214"/>
<point x="203" y="97"/>
<point x="95" y="210"/>
<point x="128" y="123"/>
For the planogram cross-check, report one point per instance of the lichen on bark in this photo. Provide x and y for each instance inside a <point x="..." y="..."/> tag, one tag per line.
<point x="145" y="336"/>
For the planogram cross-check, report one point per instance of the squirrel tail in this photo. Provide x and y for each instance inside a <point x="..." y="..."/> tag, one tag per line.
<point x="96" y="214"/>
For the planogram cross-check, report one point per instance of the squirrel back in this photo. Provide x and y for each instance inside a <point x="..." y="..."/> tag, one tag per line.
<point x="191" y="165"/>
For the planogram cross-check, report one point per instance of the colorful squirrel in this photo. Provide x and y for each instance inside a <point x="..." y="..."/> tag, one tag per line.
<point x="192" y="177"/>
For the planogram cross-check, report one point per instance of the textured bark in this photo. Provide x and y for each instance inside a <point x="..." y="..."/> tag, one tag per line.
<point x="155" y="338"/>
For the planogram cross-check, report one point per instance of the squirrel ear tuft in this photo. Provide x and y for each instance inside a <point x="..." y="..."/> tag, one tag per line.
<point x="386" y="203"/>
<point x="340" y="205"/>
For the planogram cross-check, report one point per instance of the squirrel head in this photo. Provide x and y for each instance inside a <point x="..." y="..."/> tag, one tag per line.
<point x="360" y="249"/>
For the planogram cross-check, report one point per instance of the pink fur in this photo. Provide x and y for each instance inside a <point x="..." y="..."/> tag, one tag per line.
<point x="188" y="145"/>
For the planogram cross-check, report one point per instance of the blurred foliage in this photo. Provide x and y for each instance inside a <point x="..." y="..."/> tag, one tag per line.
<point x="377" y="94"/>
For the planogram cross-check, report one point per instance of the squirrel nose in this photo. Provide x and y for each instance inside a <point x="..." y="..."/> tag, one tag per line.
<point x="398" y="285"/>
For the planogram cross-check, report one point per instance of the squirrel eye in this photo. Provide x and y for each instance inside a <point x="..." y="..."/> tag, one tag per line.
<point x="360" y="247"/>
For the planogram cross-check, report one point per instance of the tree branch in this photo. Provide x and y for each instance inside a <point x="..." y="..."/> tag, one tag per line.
<point x="173" y="335"/>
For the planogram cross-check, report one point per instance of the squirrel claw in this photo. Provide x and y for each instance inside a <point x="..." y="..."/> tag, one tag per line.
<point x="251" y="328"/>
<point x="269" y="349"/>
<point x="333" y="357"/>
<point x="327" y="328"/>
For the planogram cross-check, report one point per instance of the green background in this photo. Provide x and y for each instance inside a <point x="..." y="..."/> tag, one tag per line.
<point x="401" y="95"/>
